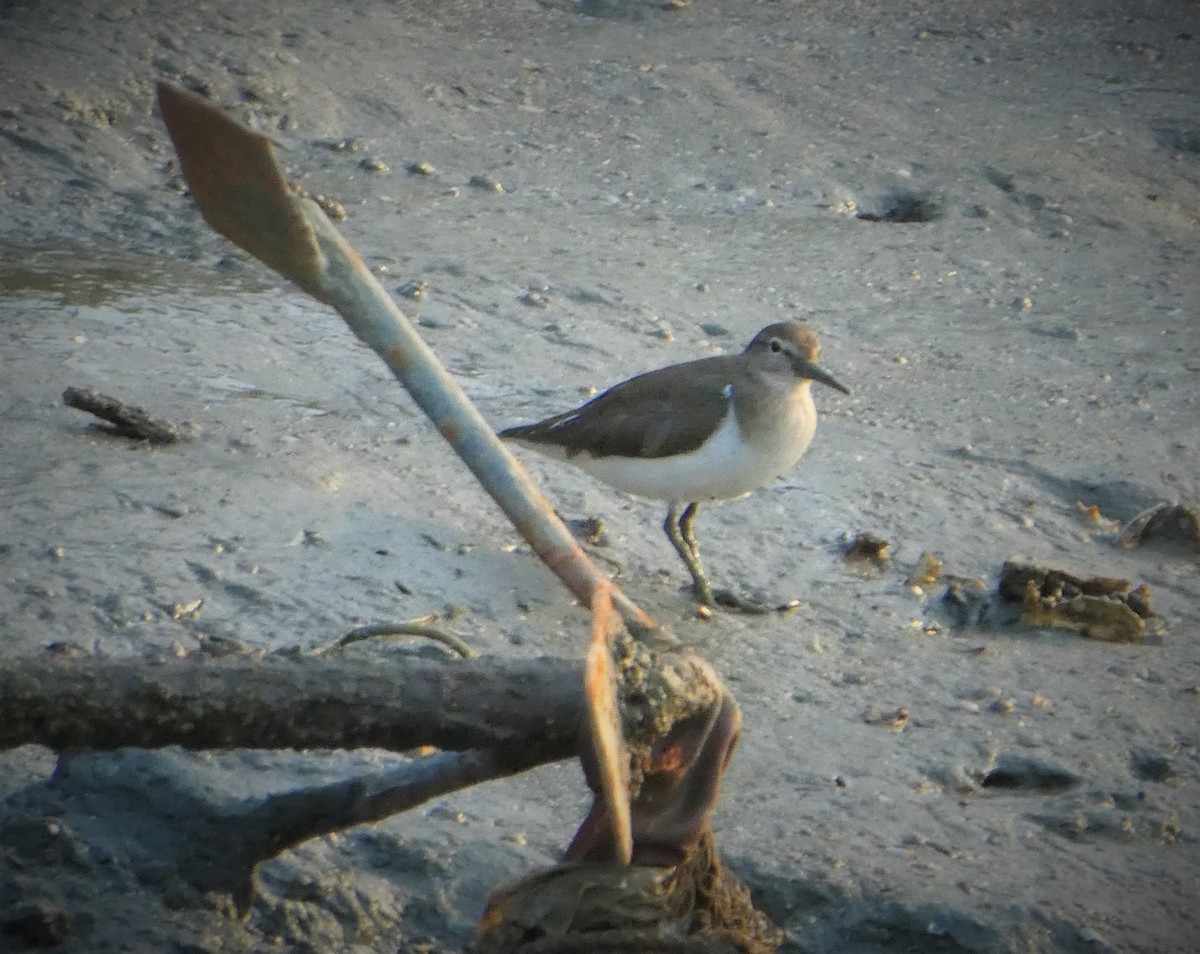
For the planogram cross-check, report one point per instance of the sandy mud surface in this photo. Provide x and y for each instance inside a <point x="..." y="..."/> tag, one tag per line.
<point x="988" y="211"/>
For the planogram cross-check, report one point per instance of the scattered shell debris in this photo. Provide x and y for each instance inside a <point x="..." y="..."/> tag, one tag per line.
<point x="1162" y="523"/>
<point x="188" y="610"/>
<point x="333" y="209"/>
<point x="1091" y="514"/>
<point x="1100" y="608"/>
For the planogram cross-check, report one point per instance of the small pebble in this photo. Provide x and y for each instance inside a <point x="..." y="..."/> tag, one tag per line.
<point x="486" y="184"/>
<point x="416" y="290"/>
<point x="334" y="210"/>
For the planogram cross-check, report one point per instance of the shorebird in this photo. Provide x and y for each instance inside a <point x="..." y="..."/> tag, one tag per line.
<point x="692" y="433"/>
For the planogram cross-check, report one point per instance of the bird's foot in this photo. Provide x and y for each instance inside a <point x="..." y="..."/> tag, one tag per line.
<point x="739" y="602"/>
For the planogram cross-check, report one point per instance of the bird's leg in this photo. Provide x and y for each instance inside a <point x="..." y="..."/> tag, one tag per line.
<point x="700" y="585"/>
<point x="679" y="531"/>
<point x="687" y="529"/>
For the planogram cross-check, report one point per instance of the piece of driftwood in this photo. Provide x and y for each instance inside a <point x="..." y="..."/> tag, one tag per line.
<point x="501" y="716"/>
<point x="697" y="906"/>
<point x="661" y="726"/>
<point x="125" y="420"/>
<point x="216" y="845"/>
<point x="278" y="702"/>
<point x="686" y="726"/>
<point x="603" y="748"/>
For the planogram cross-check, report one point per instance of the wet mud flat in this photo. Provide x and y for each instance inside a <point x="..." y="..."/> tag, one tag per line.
<point x="1003" y="276"/>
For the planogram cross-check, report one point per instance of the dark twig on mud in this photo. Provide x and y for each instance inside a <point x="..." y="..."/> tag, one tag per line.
<point x="124" y="420"/>
<point x="418" y="628"/>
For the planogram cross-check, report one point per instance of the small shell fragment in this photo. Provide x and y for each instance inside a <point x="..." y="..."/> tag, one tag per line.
<point x="1162" y="523"/>
<point x="351" y="144"/>
<point x="188" y="610"/>
<point x="927" y="571"/>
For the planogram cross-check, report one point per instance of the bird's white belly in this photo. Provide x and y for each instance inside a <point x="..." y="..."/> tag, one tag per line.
<point x="723" y="467"/>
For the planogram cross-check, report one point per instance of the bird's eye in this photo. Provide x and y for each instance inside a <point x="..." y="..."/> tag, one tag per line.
<point x="776" y="345"/>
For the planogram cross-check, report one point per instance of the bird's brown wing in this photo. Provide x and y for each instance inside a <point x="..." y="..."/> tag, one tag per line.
<point x="657" y="414"/>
